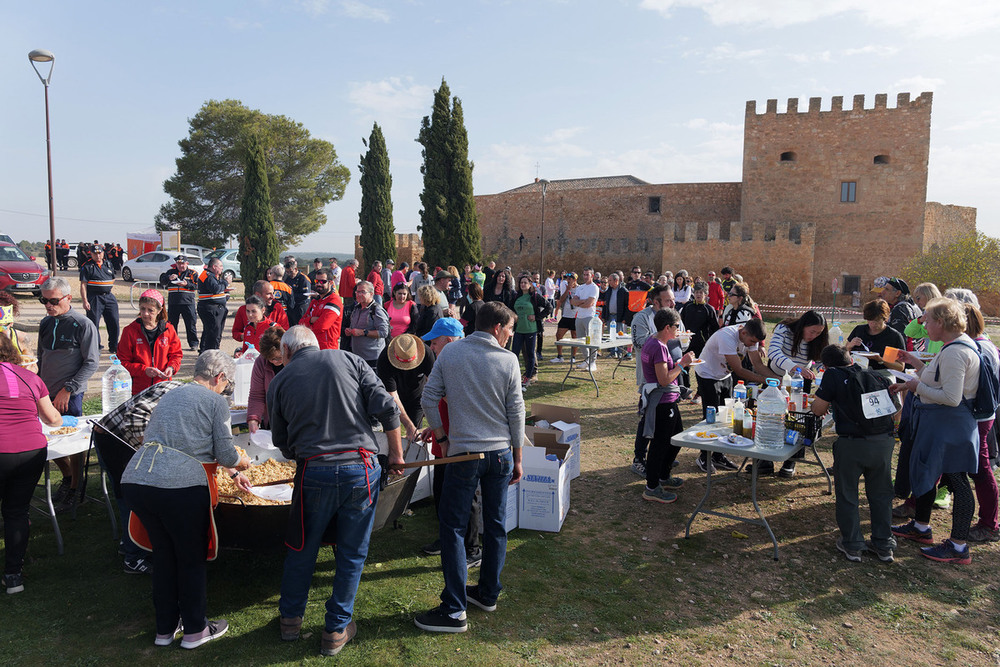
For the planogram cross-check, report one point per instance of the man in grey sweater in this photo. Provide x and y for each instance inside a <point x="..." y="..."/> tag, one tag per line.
<point x="320" y="405"/>
<point x="482" y="383"/>
<point x="67" y="357"/>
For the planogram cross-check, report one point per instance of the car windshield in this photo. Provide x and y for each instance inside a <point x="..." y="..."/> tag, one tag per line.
<point x="215" y="253"/>
<point x="11" y="253"/>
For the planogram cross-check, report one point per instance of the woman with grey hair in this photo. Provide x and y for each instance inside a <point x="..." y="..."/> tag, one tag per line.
<point x="962" y="295"/>
<point x="169" y="484"/>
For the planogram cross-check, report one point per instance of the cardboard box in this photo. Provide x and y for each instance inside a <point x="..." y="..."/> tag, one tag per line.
<point x="513" y="495"/>
<point x="544" y="488"/>
<point x="564" y="427"/>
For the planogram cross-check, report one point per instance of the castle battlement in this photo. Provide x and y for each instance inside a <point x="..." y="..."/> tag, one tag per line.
<point x="837" y="104"/>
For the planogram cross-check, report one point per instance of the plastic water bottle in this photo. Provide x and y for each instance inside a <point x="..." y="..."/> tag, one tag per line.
<point x="244" y="368"/>
<point x="771" y="408"/>
<point x="740" y="392"/>
<point x="797" y="388"/>
<point x="836" y="335"/>
<point x="613" y="327"/>
<point x="116" y="386"/>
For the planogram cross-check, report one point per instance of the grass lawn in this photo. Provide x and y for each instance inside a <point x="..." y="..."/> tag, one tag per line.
<point x="618" y="585"/>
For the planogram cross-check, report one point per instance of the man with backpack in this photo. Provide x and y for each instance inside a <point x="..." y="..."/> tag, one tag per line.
<point x="862" y="412"/>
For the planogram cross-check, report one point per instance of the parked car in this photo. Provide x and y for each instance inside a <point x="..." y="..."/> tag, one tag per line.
<point x="230" y="262"/>
<point x="150" y="265"/>
<point x="18" y="272"/>
<point x="195" y="250"/>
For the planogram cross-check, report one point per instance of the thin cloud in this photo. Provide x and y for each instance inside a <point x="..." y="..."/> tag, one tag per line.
<point x="872" y="50"/>
<point x="313" y="7"/>
<point x="239" y="25"/>
<point x="359" y="10"/>
<point x="923" y="17"/>
<point x="395" y="96"/>
<point x="917" y="84"/>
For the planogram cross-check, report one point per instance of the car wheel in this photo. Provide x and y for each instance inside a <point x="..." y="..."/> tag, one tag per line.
<point x="72" y="263"/>
<point x="127" y="274"/>
<point x="229" y="275"/>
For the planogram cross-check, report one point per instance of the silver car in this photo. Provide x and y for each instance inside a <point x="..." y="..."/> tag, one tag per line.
<point x="150" y="265"/>
<point x="230" y="262"/>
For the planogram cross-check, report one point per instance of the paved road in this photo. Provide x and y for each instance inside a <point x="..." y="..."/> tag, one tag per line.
<point x="32" y="313"/>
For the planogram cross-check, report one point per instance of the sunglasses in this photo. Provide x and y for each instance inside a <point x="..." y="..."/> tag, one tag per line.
<point x="52" y="302"/>
<point x="321" y="282"/>
<point x="635" y="273"/>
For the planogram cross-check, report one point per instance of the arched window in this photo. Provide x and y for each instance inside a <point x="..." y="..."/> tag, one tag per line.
<point x="881" y="159"/>
<point x="789" y="156"/>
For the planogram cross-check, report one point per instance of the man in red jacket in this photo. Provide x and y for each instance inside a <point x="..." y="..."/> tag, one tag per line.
<point x="325" y="312"/>
<point x="716" y="294"/>
<point x="375" y="278"/>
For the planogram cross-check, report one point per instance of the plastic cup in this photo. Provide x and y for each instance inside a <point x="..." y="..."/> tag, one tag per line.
<point x="890" y="354"/>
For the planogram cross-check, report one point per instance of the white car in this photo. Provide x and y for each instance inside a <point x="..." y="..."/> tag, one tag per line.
<point x="150" y="265"/>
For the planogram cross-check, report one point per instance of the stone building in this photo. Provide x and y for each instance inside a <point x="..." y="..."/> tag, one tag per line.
<point x="825" y="194"/>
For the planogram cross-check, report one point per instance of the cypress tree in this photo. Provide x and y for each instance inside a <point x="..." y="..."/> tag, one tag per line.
<point x="434" y="131"/>
<point x="258" y="240"/>
<point x="462" y="224"/>
<point x="378" y="235"/>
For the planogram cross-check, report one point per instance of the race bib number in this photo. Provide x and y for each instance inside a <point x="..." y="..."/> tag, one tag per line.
<point x="877" y="404"/>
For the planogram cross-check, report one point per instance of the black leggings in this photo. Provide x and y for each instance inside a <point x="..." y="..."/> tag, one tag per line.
<point x="661" y="453"/>
<point x="963" y="508"/>
<point x="19" y="473"/>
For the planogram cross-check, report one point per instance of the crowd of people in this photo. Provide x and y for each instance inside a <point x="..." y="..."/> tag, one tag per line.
<point x="446" y="346"/>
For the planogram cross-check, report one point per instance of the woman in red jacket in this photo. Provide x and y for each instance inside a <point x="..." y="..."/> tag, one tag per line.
<point x="149" y="347"/>
<point x="257" y="324"/>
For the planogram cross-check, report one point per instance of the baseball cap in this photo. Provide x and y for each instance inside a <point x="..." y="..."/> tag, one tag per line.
<point x="442" y="274"/>
<point x="445" y="326"/>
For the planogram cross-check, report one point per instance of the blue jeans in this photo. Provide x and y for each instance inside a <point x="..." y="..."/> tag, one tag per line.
<point x="460" y="481"/>
<point x="527" y="342"/>
<point x="332" y="493"/>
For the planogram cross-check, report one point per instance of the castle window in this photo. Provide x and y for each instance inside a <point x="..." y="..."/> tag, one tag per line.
<point x="881" y="159"/>
<point x="702" y="231"/>
<point x="654" y="204"/>
<point x="770" y="232"/>
<point x="725" y="227"/>
<point x="848" y="191"/>
<point x="852" y="284"/>
<point x="795" y="234"/>
<point x="789" y="156"/>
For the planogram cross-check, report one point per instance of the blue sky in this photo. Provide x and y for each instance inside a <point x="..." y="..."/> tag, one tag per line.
<point x="557" y="89"/>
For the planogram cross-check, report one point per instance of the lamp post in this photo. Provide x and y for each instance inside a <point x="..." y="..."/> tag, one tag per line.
<point x="541" y="243"/>
<point x="35" y="57"/>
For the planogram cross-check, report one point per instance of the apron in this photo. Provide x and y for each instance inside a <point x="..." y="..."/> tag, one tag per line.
<point x="137" y="532"/>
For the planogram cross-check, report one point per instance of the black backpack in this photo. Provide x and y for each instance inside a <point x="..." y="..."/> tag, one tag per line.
<point x="863" y="381"/>
<point x="987" y="399"/>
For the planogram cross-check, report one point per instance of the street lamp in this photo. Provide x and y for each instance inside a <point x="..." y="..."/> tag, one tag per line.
<point x="43" y="56"/>
<point x="541" y="245"/>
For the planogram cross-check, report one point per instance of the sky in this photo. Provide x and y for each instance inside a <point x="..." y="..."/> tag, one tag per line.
<point x="552" y="89"/>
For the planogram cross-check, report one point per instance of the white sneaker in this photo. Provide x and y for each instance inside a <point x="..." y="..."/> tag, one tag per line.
<point x="556" y="360"/>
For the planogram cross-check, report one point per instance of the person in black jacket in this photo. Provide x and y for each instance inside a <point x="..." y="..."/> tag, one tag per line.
<point x="615" y="300"/>
<point x="213" y="293"/>
<point x="181" y="283"/>
<point x="531" y="309"/>
<point x="501" y="288"/>
<point x="429" y="309"/>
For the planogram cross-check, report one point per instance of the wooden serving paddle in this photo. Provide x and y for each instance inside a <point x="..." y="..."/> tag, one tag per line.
<point x="416" y="464"/>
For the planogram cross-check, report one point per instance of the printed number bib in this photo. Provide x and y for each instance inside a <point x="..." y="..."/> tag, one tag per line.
<point x="877" y="404"/>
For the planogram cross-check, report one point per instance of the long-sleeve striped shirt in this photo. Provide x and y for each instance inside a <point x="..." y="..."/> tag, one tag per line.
<point x="779" y="351"/>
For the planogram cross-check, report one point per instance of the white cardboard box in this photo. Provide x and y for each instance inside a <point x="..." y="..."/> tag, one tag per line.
<point x="544" y="488"/>
<point x="564" y="426"/>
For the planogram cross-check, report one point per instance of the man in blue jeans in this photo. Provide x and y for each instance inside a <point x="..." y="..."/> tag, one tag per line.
<point x="482" y="383"/>
<point x="327" y="430"/>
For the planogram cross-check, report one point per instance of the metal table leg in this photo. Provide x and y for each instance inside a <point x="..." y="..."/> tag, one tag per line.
<point x="52" y="510"/>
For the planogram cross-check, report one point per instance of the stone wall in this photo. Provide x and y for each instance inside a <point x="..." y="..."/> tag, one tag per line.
<point x="409" y="249"/>
<point x="943" y="223"/>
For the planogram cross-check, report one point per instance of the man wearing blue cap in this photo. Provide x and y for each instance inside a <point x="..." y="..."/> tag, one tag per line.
<point x="482" y="383"/>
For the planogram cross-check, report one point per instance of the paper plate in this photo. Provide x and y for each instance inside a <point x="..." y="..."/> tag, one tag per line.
<point x="711" y="435"/>
<point x="696" y="362"/>
<point x="278" y="493"/>
<point x="924" y="356"/>
<point x="737" y="441"/>
<point x="869" y="355"/>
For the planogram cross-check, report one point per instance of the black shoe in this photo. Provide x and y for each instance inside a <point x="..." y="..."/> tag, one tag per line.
<point x="766" y="468"/>
<point x="61" y="492"/>
<point x="438" y="620"/>
<point x="722" y="462"/>
<point x="472" y="595"/>
<point x="474" y="558"/>
<point x="137" y="566"/>
<point x="787" y="470"/>
<point x="432" y="549"/>
<point x="69" y="504"/>
<point x="14" y="583"/>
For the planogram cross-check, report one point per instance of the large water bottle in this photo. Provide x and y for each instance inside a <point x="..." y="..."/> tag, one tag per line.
<point x="771" y="407"/>
<point x="244" y="368"/>
<point x="836" y="335"/>
<point x="595" y="330"/>
<point x="116" y="386"/>
<point x="797" y="388"/>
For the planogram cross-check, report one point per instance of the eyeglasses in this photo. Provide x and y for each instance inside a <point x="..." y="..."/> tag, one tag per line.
<point x="321" y="282"/>
<point x="52" y="302"/>
<point x="635" y="273"/>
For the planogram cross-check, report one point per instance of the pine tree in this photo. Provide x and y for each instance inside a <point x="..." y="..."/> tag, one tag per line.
<point x="462" y="224"/>
<point x="378" y="235"/>
<point x="434" y="131"/>
<point x="258" y="240"/>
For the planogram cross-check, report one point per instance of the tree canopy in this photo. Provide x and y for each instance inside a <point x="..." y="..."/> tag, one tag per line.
<point x="378" y="234"/>
<point x="448" y="223"/>
<point x="206" y="192"/>
<point x="258" y="242"/>
<point x="971" y="261"/>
